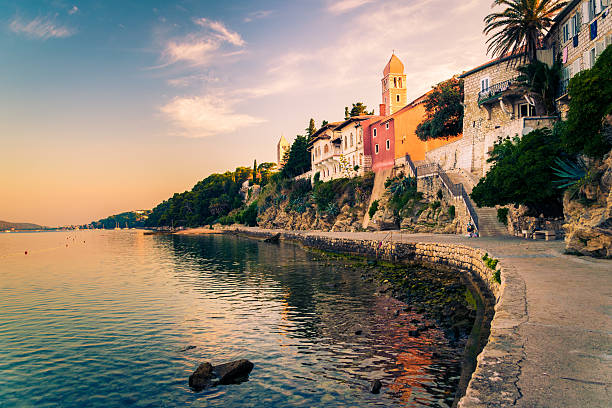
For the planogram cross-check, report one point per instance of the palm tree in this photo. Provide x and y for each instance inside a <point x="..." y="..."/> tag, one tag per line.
<point x="520" y="27"/>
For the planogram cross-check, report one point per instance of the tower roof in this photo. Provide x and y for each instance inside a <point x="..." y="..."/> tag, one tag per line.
<point x="394" y="66"/>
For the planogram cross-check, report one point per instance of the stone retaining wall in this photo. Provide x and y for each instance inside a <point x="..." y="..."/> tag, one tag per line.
<point x="494" y="381"/>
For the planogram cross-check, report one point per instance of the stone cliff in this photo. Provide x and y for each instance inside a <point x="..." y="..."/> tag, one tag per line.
<point x="588" y="213"/>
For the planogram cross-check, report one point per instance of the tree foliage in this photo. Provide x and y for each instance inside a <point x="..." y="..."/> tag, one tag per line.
<point x="210" y="199"/>
<point x="590" y="95"/>
<point x="444" y="111"/>
<point x="299" y="158"/>
<point x="522" y="173"/>
<point x="358" y="109"/>
<point x="543" y="81"/>
<point x="519" y="28"/>
<point x="311" y="129"/>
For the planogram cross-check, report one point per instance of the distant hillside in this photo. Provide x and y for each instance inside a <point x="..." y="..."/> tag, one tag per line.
<point x="5" y="225"/>
<point x="130" y="219"/>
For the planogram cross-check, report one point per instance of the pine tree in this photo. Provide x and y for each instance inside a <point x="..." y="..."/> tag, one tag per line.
<point x="254" y="171"/>
<point x="311" y="129"/>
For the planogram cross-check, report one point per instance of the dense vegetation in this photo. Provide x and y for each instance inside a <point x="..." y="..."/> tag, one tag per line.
<point x="590" y="101"/>
<point x="522" y="173"/>
<point x="443" y="110"/>
<point x="210" y="199"/>
<point x="130" y="219"/>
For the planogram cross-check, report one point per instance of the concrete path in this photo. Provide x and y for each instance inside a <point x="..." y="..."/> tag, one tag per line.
<point x="565" y="330"/>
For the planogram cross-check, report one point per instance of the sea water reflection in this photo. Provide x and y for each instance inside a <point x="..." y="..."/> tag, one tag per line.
<point x="102" y="318"/>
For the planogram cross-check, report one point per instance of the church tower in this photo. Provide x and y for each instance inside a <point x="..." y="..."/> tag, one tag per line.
<point x="394" y="86"/>
<point x="282" y="148"/>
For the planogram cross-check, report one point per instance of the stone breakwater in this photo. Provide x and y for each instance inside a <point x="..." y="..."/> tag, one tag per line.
<point x="493" y="382"/>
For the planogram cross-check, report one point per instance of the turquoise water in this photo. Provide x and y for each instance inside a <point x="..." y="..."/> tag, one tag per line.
<point x="103" y="318"/>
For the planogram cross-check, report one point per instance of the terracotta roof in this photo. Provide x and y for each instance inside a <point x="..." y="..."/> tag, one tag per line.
<point x="394" y="66"/>
<point x="354" y="119"/>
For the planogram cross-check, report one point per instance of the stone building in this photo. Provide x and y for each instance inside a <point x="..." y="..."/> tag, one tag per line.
<point x="282" y="149"/>
<point x="325" y="152"/>
<point x="580" y="33"/>
<point x="495" y="107"/>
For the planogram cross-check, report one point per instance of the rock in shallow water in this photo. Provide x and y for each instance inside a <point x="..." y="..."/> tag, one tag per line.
<point x="375" y="387"/>
<point x="229" y="373"/>
<point x="233" y="372"/>
<point x="201" y="377"/>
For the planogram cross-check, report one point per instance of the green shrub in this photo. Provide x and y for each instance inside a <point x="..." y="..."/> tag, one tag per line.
<point x="497" y="276"/>
<point x="434" y="205"/>
<point x="439" y="194"/>
<point x="502" y="215"/>
<point x="451" y="212"/>
<point x="332" y="209"/>
<point x="373" y="208"/>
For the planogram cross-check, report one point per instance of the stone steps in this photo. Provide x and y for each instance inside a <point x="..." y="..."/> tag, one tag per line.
<point x="488" y="225"/>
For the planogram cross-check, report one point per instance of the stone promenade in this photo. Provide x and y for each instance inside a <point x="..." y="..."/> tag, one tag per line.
<point x="551" y="337"/>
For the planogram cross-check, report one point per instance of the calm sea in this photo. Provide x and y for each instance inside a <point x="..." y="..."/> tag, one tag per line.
<point x="105" y="318"/>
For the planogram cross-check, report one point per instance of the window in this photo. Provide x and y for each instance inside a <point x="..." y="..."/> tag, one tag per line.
<point x="388" y="143"/>
<point x="398" y="97"/>
<point x="575" y="24"/>
<point x="484" y="84"/>
<point x="345" y="142"/>
<point x="326" y="149"/>
<point x="566" y="32"/>
<point x="395" y="82"/>
<point x="376" y="148"/>
<point x="374" y="132"/>
<point x="387" y="125"/>
<point x="360" y="135"/>
<point x="352" y="140"/>
<point x="526" y="110"/>
<point x="400" y="82"/>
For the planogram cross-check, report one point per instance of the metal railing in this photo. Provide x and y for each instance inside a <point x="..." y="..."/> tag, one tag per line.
<point x="495" y="89"/>
<point x="563" y="86"/>
<point x="455" y="190"/>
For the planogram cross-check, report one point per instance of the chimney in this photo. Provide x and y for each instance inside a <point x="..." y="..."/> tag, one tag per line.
<point x="383" y="110"/>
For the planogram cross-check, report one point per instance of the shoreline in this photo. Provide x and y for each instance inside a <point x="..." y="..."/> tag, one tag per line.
<point x="467" y="263"/>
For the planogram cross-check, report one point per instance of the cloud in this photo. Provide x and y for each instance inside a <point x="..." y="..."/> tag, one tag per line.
<point x="342" y="6"/>
<point x="201" y="48"/>
<point x="221" y="32"/>
<point x="206" y="116"/>
<point x="256" y="15"/>
<point x="41" y="28"/>
<point x="73" y="10"/>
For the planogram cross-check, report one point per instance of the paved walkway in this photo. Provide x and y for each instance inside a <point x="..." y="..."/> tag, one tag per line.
<point x="566" y="328"/>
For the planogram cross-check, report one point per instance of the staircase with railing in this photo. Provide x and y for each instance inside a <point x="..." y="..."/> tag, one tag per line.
<point x="456" y="190"/>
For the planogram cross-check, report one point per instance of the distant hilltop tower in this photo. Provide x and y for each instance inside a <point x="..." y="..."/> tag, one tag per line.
<point x="282" y="148"/>
<point x="393" y="86"/>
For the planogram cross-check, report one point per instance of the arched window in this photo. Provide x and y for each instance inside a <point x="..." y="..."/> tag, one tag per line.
<point x="360" y="135"/>
<point x="345" y="142"/>
<point x="395" y="82"/>
<point x="352" y="140"/>
<point x="400" y="82"/>
<point x="326" y="149"/>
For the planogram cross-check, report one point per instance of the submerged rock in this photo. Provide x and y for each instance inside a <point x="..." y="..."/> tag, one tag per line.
<point x="187" y="348"/>
<point x="375" y="386"/>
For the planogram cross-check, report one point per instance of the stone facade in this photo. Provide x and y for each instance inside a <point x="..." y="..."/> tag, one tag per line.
<point x="580" y="33"/>
<point x="495" y="107"/>
<point x="282" y="149"/>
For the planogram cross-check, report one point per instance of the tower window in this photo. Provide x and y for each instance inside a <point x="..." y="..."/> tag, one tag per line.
<point x="400" y="82"/>
<point x="395" y="82"/>
<point x="376" y="148"/>
<point x="388" y="144"/>
<point x="374" y="132"/>
<point x="387" y="125"/>
<point x="397" y="97"/>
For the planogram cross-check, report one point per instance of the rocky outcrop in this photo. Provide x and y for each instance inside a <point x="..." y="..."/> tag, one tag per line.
<point x="348" y="219"/>
<point x="588" y="214"/>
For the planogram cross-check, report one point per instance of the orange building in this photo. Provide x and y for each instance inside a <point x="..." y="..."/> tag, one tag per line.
<point x="407" y="142"/>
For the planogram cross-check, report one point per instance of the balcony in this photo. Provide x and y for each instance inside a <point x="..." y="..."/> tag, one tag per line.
<point x="493" y="92"/>
<point x="563" y="88"/>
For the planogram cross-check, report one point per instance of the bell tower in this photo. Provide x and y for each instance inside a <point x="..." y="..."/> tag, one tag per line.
<point x="394" y="86"/>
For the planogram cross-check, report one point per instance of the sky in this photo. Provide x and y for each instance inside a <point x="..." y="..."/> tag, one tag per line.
<point x="111" y="106"/>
